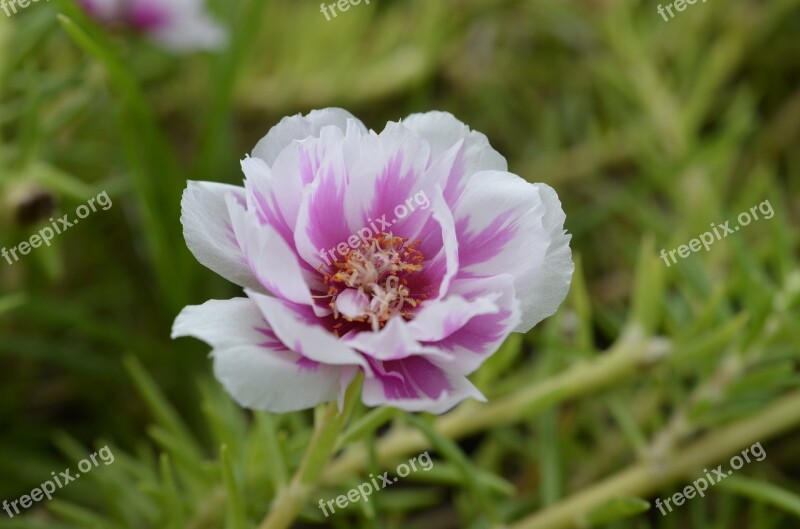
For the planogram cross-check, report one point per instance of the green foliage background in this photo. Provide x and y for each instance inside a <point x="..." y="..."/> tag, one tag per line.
<point x="649" y="131"/>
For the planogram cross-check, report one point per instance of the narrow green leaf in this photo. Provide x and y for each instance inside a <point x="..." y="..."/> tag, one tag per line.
<point x="366" y="425"/>
<point x="764" y="492"/>
<point x="451" y="452"/>
<point x="549" y="457"/>
<point x="11" y="302"/>
<point x="237" y="513"/>
<point x="265" y="425"/>
<point x="85" y="518"/>
<point x="500" y="362"/>
<point x="159" y="406"/>
<point x="648" y="290"/>
<point x="617" y="509"/>
<point x="173" y="505"/>
<point x="118" y="74"/>
<point x="226" y="419"/>
<point x="444" y="473"/>
<point x="710" y="342"/>
<point x="627" y="423"/>
<point x="581" y="301"/>
<point x="187" y="459"/>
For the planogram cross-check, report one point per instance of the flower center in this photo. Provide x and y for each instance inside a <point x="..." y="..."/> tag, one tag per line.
<point x="371" y="283"/>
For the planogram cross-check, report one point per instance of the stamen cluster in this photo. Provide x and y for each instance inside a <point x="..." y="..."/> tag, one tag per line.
<point x="378" y="270"/>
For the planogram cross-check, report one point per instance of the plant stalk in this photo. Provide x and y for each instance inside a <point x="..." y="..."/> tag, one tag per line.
<point x="632" y="353"/>
<point x="328" y="424"/>
<point x="645" y="478"/>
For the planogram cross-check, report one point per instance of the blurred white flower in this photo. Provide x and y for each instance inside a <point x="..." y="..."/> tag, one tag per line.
<point x="176" y="25"/>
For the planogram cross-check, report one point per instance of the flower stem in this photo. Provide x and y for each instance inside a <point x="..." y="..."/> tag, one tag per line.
<point x="632" y="353"/>
<point x="328" y="423"/>
<point x="647" y="477"/>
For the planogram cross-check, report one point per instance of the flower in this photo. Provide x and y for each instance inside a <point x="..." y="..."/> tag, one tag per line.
<point x="340" y="279"/>
<point x="176" y="25"/>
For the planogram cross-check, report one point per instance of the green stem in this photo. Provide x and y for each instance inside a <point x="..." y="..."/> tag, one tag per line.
<point x="632" y="353"/>
<point x="647" y="477"/>
<point x="328" y="424"/>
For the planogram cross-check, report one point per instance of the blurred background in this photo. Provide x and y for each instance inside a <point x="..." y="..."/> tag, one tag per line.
<point x="649" y="129"/>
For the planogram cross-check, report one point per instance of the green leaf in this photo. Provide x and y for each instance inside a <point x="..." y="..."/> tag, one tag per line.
<point x="11" y="302"/>
<point x="500" y="362"/>
<point x="173" y="505"/>
<point x="85" y="518"/>
<point x="710" y="342"/>
<point x="237" y="513"/>
<point x="448" y="474"/>
<point x="171" y="433"/>
<point x="266" y="437"/>
<point x="149" y="154"/>
<point x="617" y="509"/>
<point x="764" y="492"/>
<point x="648" y="290"/>
<point x="581" y="301"/>
<point x="367" y="424"/>
<point x="451" y="452"/>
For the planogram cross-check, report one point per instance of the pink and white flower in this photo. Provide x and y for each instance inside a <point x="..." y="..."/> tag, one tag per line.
<point x="416" y="305"/>
<point x="176" y="25"/>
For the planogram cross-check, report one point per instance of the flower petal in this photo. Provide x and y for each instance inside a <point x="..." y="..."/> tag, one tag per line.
<point x="393" y="342"/>
<point x="439" y="245"/>
<point x="209" y="233"/>
<point x="383" y="172"/>
<point x="221" y="323"/>
<point x="263" y="198"/>
<point x="442" y="131"/>
<point x="271" y="260"/>
<point x="267" y="382"/>
<point x="506" y="225"/>
<point x="352" y="303"/>
<point x="297" y="327"/>
<point x="439" y="319"/>
<point x="103" y="10"/>
<point x="189" y="27"/>
<point x="415" y="384"/>
<point x="473" y="332"/>
<point x="255" y="368"/>
<point x="322" y="223"/>
<point x="299" y="127"/>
